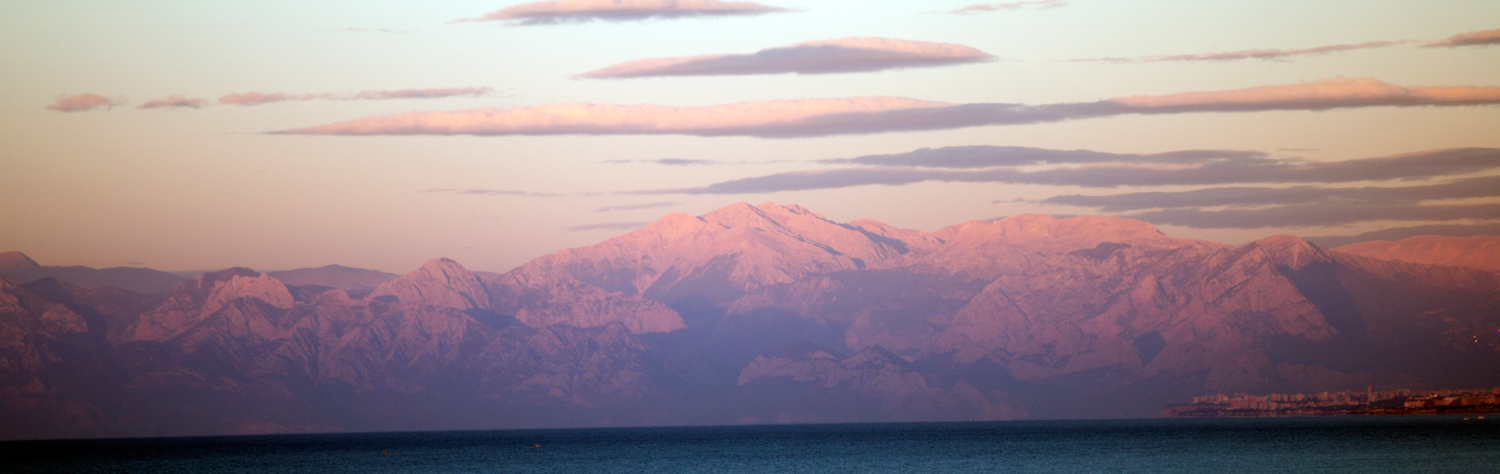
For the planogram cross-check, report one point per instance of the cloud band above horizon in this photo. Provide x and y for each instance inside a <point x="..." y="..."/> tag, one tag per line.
<point x="864" y="115"/>
<point x="814" y="57"/>
<point x="579" y="11"/>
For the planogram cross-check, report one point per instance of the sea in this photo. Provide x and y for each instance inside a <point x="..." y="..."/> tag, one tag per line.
<point x="1373" y="444"/>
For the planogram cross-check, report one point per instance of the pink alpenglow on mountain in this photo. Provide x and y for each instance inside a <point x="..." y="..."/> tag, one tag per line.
<point x="1481" y="252"/>
<point x="440" y="283"/>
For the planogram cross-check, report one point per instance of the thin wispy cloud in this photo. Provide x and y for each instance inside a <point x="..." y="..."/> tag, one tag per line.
<point x="1007" y="6"/>
<point x="370" y="30"/>
<point x="504" y="192"/>
<point x="863" y="115"/>
<point x="1474" y="38"/>
<point x="841" y="55"/>
<point x="609" y="226"/>
<point x="258" y="98"/>
<point x="1263" y="54"/>
<point x="580" y="11"/>
<point x="422" y="93"/>
<point x="636" y="207"/>
<point x="1105" y="170"/>
<point x="83" y="102"/>
<point x="174" y="102"/>
<point x="1398" y="233"/>
<point x="1482" y="187"/>
<point x="1316" y="215"/>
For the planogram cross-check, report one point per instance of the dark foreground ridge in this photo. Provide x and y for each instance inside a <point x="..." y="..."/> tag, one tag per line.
<point x="1369" y="402"/>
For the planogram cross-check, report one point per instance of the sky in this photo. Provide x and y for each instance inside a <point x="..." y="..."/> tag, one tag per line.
<point x="185" y="135"/>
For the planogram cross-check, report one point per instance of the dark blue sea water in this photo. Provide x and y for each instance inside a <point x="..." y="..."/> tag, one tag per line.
<point x="1314" y="445"/>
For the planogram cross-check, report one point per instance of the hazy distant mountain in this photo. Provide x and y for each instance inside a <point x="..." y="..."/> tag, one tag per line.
<point x="356" y="280"/>
<point x="1481" y="252"/>
<point x="20" y="269"/>
<point x="750" y="314"/>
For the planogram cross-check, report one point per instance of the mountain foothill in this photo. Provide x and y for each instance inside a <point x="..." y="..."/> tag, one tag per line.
<point x="746" y="314"/>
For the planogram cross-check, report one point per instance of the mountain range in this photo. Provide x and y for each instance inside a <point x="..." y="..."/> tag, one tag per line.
<point x="747" y="314"/>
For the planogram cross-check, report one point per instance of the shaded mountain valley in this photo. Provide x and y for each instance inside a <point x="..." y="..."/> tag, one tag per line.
<point x="747" y="314"/>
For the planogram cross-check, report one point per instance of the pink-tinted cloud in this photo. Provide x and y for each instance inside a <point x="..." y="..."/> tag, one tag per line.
<point x="258" y="98"/>
<point x="1267" y="54"/>
<point x="1010" y="6"/>
<point x="577" y="11"/>
<point x="1474" y="38"/>
<point x="813" y="57"/>
<point x="422" y="93"/>
<point x="593" y="119"/>
<point x="82" y="102"/>
<point x="174" y="102"/>
<point x="861" y="115"/>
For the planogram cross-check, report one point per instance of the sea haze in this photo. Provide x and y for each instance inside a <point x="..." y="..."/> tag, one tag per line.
<point x="1322" y="445"/>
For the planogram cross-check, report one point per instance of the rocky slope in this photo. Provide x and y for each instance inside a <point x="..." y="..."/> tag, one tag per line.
<point x="762" y="313"/>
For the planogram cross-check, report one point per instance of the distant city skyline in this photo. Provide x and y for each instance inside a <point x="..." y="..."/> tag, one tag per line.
<point x="180" y="135"/>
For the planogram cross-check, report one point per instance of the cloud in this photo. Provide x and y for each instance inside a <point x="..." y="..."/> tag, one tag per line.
<point x="258" y="98"/>
<point x="636" y="207"/>
<point x="861" y="115"/>
<point x="1483" y="187"/>
<point x="503" y="192"/>
<point x="1315" y="215"/>
<point x="176" y="101"/>
<point x="1398" y="233"/>
<point x="1105" y="170"/>
<point x="609" y="226"/>
<point x="370" y="30"/>
<point x="1267" y="54"/>
<point x="1010" y="6"/>
<point x="83" y="102"/>
<point x="421" y="93"/>
<point x="1474" y="38"/>
<point x="813" y="57"/>
<point x="579" y="11"/>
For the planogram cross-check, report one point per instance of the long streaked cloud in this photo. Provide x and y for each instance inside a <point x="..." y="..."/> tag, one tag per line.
<point x="609" y="226"/>
<point x="82" y="102"/>
<point x="258" y="98"/>
<point x="1007" y="6"/>
<point x="637" y="206"/>
<point x="1398" y="233"/>
<point x="1105" y="170"/>
<point x="1473" y="38"/>
<point x="422" y="93"/>
<point x="1265" y="54"/>
<point x="579" y="11"/>
<point x="1316" y="215"/>
<point x="862" y="115"/>
<point x="174" y="102"/>
<point x="814" y="57"/>
<point x="1482" y="187"/>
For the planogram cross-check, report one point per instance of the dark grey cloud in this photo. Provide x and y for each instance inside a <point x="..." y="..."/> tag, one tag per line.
<point x="636" y="207"/>
<point x="993" y="156"/>
<point x="1398" y="233"/>
<point x="1488" y="186"/>
<point x="815" y="57"/>
<point x="1473" y="38"/>
<point x="1263" y="54"/>
<point x="609" y="226"/>
<point x="961" y="164"/>
<point x="1316" y="215"/>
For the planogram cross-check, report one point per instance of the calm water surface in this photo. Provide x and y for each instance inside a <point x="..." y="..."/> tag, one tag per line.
<point x="1314" y="445"/>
